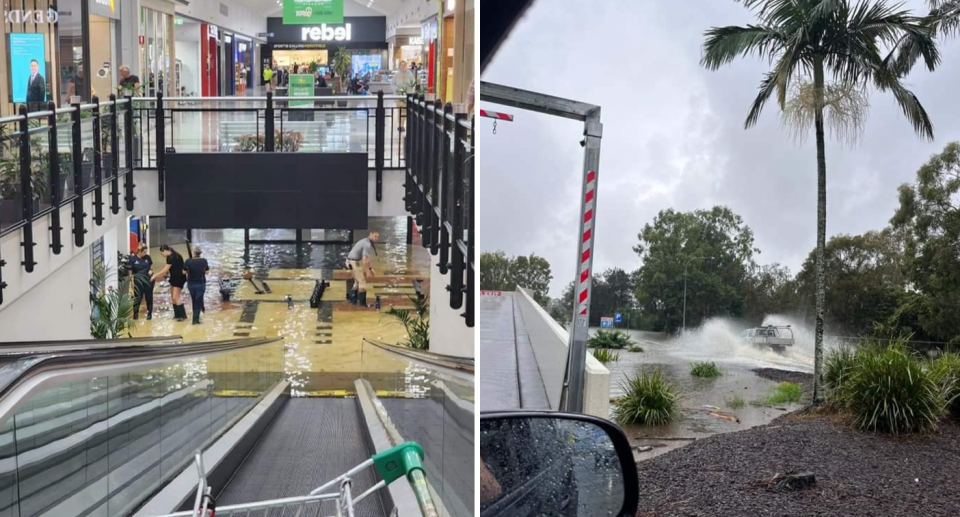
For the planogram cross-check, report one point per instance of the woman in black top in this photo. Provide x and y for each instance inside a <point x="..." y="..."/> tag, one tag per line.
<point x="177" y="279"/>
<point x="141" y="266"/>
<point x="196" y="269"/>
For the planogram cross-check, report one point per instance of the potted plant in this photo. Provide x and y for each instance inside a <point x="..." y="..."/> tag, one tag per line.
<point x="341" y="67"/>
<point x="284" y="142"/>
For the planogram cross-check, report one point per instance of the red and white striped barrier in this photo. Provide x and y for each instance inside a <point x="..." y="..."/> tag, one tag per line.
<point x="496" y="115"/>
<point x="586" y="244"/>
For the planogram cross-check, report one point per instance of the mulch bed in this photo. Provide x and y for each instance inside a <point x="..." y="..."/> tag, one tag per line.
<point x="857" y="474"/>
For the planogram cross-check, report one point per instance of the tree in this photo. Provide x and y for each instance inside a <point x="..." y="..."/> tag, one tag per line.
<point x="945" y="16"/>
<point x="864" y="278"/>
<point x="713" y="247"/>
<point x="929" y="216"/>
<point x="532" y="273"/>
<point x="806" y="40"/>
<point x="495" y="272"/>
<point x="768" y="290"/>
<point x="501" y="273"/>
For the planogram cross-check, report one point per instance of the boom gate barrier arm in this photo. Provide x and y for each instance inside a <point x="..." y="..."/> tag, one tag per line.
<point x="571" y="399"/>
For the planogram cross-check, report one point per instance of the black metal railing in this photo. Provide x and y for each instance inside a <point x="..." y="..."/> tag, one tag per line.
<point x="50" y="159"/>
<point x="439" y="191"/>
<point x="356" y="123"/>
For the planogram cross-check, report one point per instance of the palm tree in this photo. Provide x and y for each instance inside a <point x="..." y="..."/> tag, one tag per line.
<point x="946" y="15"/>
<point x="816" y="39"/>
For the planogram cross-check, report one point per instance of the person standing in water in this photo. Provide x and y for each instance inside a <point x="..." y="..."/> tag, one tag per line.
<point x="177" y="279"/>
<point x="141" y="266"/>
<point x="196" y="269"/>
<point x="359" y="262"/>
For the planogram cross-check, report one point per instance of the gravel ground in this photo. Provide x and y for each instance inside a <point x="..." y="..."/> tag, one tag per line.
<point x="857" y="474"/>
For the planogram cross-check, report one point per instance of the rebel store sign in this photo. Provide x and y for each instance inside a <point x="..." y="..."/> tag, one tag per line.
<point x="367" y="32"/>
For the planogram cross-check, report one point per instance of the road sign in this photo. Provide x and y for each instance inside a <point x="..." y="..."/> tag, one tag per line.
<point x="618" y="318"/>
<point x="606" y="322"/>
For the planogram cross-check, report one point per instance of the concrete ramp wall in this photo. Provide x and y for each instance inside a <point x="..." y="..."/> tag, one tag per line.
<point x="549" y="341"/>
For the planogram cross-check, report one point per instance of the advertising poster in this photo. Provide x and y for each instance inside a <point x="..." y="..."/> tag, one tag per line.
<point x="301" y="85"/>
<point x="28" y="68"/>
<point x="304" y="12"/>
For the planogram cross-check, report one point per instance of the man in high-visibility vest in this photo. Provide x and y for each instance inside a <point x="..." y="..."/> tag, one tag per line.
<point x="268" y="78"/>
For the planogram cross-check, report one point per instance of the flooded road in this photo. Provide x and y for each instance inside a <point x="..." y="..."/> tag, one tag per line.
<point x="716" y="341"/>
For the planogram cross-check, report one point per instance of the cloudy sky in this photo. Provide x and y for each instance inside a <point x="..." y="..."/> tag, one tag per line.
<point x="673" y="137"/>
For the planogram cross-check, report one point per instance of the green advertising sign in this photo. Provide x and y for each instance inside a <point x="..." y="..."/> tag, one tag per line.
<point x="305" y="12"/>
<point x="301" y="85"/>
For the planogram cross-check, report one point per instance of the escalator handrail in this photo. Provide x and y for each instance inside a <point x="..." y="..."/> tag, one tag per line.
<point x="464" y="364"/>
<point x="14" y="349"/>
<point x="18" y="373"/>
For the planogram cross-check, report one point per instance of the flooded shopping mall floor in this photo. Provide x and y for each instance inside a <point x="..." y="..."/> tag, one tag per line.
<point x="715" y="342"/>
<point x="322" y="346"/>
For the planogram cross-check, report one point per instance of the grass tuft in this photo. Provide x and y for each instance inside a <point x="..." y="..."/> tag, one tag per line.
<point x="786" y="393"/>
<point x="734" y="402"/>
<point x="610" y="339"/>
<point x="946" y="371"/>
<point x="635" y="348"/>
<point x="605" y="355"/>
<point x="649" y="398"/>
<point x="891" y="390"/>
<point x="837" y="367"/>
<point x="707" y="370"/>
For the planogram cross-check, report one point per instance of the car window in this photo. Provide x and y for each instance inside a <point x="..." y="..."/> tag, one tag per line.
<point x="518" y="480"/>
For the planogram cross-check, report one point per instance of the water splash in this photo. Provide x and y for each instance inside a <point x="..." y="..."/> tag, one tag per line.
<point x="718" y="339"/>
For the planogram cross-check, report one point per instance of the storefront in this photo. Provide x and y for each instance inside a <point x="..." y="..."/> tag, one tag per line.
<point x="74" y="44"/>
<point x="363" y="36"/>
<point x="408" y="49"/>
<point x="157" y="69"/>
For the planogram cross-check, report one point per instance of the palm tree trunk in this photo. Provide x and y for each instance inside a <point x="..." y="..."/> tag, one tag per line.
<point x="821" y="229"/>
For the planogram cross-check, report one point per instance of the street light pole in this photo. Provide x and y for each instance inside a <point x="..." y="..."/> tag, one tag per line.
<point x="685" y="264"/>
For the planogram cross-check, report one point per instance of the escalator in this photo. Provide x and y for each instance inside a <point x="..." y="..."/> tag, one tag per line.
<point x="309" y="442"/>
<point x="98" y="428"/>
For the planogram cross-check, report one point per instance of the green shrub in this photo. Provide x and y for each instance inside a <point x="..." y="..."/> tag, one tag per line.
<point x="890" y="390"/>
<point x="837" y="367"/>
<point x="605" y="355"/>
<point x="635" y="348"/>
<point x="648" y="398"/>
<point x="610" y="339"/>
<point x="946" y="371"/>
<point x="705" y="369"/>
<point x="734" y="402"/>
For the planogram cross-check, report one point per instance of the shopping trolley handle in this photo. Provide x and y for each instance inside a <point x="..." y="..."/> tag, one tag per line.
<point x="406" y="460"/>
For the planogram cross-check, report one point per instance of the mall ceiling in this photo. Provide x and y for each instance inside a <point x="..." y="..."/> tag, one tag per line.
<point x="268" y="8"/>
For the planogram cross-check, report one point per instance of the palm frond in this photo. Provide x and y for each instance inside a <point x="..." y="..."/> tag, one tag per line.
<point x="724" y="44"/>
<point x="417" y="326"/>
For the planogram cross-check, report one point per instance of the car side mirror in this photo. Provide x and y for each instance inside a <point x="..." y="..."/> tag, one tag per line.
<point x="547" y="463"/>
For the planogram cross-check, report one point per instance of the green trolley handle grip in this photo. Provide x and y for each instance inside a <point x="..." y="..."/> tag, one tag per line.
<point x="406" y="460"/>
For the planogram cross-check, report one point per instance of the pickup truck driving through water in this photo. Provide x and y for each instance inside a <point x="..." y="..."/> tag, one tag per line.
<point x="777" y="338"/>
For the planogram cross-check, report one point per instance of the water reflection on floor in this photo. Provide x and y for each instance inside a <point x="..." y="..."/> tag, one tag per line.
<point x="322" y="348"/>
<point x="700" y="396"/>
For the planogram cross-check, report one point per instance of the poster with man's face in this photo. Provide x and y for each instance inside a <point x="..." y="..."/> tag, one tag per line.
<point x="28" y="68"/>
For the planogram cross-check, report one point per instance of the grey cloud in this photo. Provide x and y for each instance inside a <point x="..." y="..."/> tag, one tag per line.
<point x="674" y="137"/>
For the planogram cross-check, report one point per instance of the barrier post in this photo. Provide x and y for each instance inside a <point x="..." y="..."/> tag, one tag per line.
<point x="78" y="214"/>
<point x="97" y="165"/>
<point x="269" y="142"/>
<point x="128" y="185"/>
<point x="161" y="144"/>
<point x="379" y="139"/>
<point x="26" y="192"/>
<point x="56" y="196"/>
<point x="115" y="157"/>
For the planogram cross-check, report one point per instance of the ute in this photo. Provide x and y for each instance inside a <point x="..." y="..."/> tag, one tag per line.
<point x="777" y="338"/>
